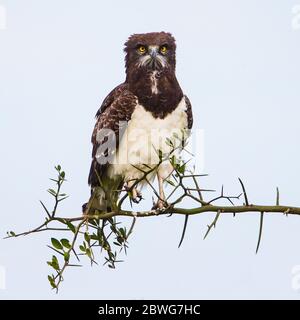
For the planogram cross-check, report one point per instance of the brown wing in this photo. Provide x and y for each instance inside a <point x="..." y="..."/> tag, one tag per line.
<point x="111" y="97"/>
<point x="189" y="112"/>
<point x="117" y="107"/>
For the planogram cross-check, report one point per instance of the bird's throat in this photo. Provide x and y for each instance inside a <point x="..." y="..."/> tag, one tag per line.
<point x="158" y="91"/>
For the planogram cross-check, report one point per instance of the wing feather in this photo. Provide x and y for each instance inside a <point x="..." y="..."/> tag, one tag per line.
<point x="189" y="112"/>
<point x="117" y="107"/>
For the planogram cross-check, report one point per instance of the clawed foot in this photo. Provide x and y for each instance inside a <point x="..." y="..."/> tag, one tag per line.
<point x="86" y="210"/>
<point x="136" y="195"/>
<point x="160" y="205"/>
<point x="84" y="207"/>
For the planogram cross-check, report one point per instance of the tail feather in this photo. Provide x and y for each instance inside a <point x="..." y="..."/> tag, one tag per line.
<point x="104" y="198"/>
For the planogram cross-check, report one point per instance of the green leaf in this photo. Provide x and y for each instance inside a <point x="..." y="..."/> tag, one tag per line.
<point x="56" y="244"/>
<point x="62" y="199"/>
<point x="181" y="169"/>
<point x="52" y="281"/>
<point x="169" y="142"/>
<point x="82" y="248"/>
<point x="123" y="232"/>
<point x="55" y="266"/>
<point x="58" y="167"/>
<point x="62" y="175"/>
<point x="67" y="256"/>
<point x="93" y="222"/>
<point x="160" y="154"/>
<point x="88" y="252"/>
<point x="120" y="240"/>
<point x="94" y="236"/>
<point x="12" y="234"/>
<point x="52" y="192"/>
<point x="54" y="263"/>
<point x="54" y="259"/>
<point x="171" y="183"/>
<point x="173" y="161"/>
<point x="87" y="237"/>
<point x="106" y="247"/>
<point x="176" y="136"/>
<point x="66" y="243"/>
<point x="71" y="226"/>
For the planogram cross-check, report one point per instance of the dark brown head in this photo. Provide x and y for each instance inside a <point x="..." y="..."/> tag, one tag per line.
<point x="150" y="51"/>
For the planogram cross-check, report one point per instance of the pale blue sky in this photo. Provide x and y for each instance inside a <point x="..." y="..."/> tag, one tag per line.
<point x="239" y="63"/>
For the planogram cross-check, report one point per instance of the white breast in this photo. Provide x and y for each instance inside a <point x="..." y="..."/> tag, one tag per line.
<point x="142" y="139"/>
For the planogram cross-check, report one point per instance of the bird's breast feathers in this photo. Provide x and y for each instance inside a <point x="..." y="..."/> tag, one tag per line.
<point x="144" y="136"/>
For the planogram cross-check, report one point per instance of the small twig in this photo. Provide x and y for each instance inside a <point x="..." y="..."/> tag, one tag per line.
<point x="197" y="186"/>
<point x="59" y="275"/>
<point x="131" y="228"/>
<point x="203" y="190"/>
<point x="203" y="203"/>
<point x="213" y="224"/>
<point x="229" y="198"/>
<point x="37" y="229"/>
<point x="48" y="214"/>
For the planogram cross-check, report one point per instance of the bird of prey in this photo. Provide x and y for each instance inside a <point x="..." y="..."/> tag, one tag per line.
<point x="136" y="119"/>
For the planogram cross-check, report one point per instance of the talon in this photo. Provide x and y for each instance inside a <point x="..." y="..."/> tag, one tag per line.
<point x="136" y="196"/>
<point x="160" y="205"/>
<point x="84" y="207"/>
<point x="86" y="210"/>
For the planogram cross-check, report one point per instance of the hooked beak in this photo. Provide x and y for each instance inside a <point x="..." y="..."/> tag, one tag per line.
<point x="153" y="51"/>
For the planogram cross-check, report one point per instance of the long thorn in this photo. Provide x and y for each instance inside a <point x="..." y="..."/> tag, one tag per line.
<point x="186" y="219"/>
<point x="260" y="230"/>
<point x="277" y="196"/>
<point x="48" y="214"/>
<point x="244" y="191"/>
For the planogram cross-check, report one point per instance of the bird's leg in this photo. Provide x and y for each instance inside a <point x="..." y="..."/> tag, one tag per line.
<point x="136" y="195"/>
<point x="161" y="202"/>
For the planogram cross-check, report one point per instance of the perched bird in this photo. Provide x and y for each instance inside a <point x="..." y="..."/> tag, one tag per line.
<point x="136" y="120"/>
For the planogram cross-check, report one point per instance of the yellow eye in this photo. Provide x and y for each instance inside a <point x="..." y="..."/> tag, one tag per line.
<point x="163" y="49"/>
<point x="142" y="49"/>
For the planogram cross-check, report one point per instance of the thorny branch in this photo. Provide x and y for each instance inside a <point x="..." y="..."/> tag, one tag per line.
<point x="99" y="231"/>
